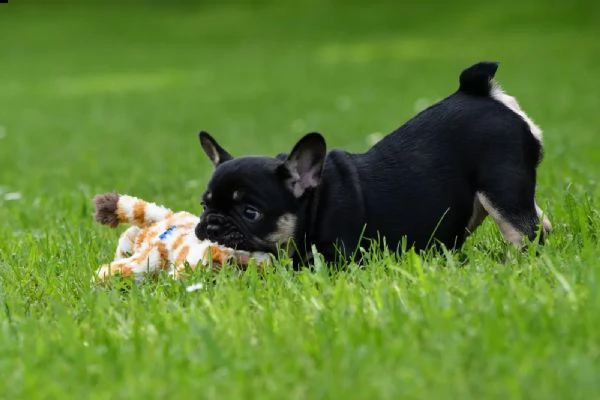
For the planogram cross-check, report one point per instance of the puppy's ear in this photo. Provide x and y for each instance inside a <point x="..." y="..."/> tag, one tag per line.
<point x="213" y="150"/>
<point x="303" y="167"/>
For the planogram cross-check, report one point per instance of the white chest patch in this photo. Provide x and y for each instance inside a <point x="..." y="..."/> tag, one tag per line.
<point x="286" y="225"/>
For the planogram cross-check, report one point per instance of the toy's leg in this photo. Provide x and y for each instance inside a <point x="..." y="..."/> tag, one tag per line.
<point x="125" y="246"/>
<point x="177" y="271"/>
<point x="194" y="255"/>
<point x="122" y="267"/>
<point x="185" y="256"/>
<point x="148" y="260"/>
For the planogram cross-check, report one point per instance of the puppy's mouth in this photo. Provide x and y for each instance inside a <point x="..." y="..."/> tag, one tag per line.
<point x="226" y="232"/>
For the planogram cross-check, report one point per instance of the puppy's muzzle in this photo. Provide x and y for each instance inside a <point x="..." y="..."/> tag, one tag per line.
<point x="211" y="227"/>
<point x="214" y="225"/>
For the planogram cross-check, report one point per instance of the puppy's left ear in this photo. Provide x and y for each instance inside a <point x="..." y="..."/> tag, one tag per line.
<point x="304" y="165"/>
<point x="213" y="150"/>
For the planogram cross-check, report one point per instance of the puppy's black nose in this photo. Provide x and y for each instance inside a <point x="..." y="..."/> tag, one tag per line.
<point x="213" y="230"/>
<point x="214" y="226"/>
<point x="214" y="219"/>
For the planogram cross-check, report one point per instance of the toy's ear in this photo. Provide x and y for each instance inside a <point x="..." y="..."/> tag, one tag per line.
<point x="303" y="167"/>
<point x="213" y="150"/>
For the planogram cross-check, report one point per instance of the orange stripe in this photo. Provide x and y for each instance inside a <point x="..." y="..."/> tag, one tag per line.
<point x="121" y="215"/>
<point x="150" y="234"/>
<point x="120" y="269"/>
<point x="163" y="254"/>
<point x="182" y="255"/>
<point x="187" y="225"/>
<point x="177" y="242"/>
<point x="139" y="211"/>
<point x="126" y="271"/>
<point x="218" y="255"/>
<point x="142" y="256"/>
<point x="141" y="237"/>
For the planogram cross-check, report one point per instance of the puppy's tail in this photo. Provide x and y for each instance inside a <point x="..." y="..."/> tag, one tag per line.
<point x="113" y="209"/>
<point x="477" y="79"/>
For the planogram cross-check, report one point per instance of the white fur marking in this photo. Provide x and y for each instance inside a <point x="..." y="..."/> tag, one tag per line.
<point x="511" y="102"/>
<point x="477" y="217"/>
<point x="286" y="225"/>
<point x="546" y="225"/>
<point x="509" y="232"/>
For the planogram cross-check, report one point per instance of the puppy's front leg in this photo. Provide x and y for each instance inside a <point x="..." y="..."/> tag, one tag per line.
<point x="546" y="225"/>
<point x="515" y="222"/>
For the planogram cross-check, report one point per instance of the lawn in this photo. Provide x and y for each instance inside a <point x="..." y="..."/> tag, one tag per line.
<point x="102" y="97"/>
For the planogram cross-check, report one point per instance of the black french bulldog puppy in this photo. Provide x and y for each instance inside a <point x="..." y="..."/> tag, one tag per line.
<point x="433" y="180"/>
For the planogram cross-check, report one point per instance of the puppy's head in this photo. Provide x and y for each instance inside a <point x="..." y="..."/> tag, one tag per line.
<point x="257" y="203"/>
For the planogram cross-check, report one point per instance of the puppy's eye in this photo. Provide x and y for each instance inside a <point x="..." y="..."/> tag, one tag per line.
<point x="252" y="214"/>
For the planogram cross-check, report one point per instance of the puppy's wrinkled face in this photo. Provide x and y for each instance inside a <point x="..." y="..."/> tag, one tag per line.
<point x="246" y="206"/>
<point x="255" y="203"/>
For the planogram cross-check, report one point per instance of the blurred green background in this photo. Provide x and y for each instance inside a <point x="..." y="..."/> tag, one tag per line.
<point x="98" y="96"/>
<point x="112" y="96"/>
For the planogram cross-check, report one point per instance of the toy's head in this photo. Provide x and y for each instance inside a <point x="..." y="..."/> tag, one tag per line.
<point x="259" y="203"/>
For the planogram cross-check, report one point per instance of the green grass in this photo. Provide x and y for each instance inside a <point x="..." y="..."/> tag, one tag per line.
<point x="97" y="98"/>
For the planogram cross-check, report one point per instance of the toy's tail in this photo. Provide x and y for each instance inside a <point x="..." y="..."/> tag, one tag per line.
<point x="114" y="209"/>
<point x="477" y="79"/>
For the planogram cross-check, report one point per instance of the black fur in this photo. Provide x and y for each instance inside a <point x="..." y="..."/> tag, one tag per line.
<point x="477" y="79"/>
<point x="419" y="183"/>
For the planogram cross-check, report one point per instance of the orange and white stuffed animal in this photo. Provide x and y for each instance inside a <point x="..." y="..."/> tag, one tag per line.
<point x="160" y="240"/>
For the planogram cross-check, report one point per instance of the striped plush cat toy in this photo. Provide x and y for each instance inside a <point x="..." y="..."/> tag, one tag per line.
<point x="160" y="240"/>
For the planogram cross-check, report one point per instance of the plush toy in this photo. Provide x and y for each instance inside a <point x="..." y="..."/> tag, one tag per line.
<point x="160" y="240"/>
